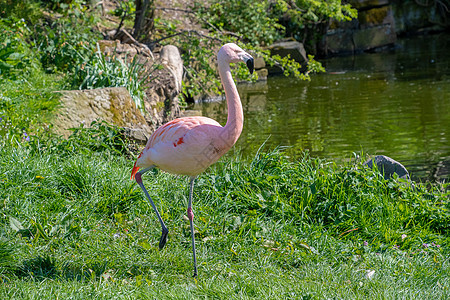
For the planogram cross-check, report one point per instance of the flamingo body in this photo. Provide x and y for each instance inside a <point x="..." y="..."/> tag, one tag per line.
<point x="188" y="146"/>
<point x="184" y="146"/>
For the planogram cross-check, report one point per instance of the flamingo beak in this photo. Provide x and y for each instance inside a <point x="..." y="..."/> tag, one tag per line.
<point x="250" y="64"/>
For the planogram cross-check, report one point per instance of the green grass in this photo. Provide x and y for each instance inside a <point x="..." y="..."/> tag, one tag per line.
<point x="75" y="226"/>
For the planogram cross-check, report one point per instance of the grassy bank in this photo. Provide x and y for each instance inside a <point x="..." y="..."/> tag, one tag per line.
<point x="74" y="225"/>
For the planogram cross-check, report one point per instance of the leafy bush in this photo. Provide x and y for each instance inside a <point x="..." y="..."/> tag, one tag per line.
<point x="65" y="43"/>
<point x="26" y="105"/>
<point x="15" y="56"/>
<point x="28" y="11"/>
<point x="251" y="20"/>
<point x="63" y="6"/>
<point x="305" y="20"/>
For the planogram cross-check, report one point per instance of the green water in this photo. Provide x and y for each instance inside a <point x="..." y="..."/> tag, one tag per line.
<point x="395" y="103"/>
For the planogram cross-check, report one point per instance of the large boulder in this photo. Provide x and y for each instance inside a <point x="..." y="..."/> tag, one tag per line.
<point x="374" y="28"/>
<point x="113" y="105"/>
<point x="387" y="166"/>
<point x="412" y="16"/>
<point x="293" y="49"/>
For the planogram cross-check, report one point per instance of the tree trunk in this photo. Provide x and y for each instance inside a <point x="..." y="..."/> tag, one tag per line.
<point x="143" y="22"/>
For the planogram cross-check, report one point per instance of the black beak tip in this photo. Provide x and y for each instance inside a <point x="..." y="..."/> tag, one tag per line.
<point x="250" y="65"/>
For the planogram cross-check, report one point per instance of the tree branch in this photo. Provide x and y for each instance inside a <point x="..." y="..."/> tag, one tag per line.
<point x="185" y="32"/>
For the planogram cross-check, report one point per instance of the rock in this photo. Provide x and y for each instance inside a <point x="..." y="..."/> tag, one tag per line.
<point x="260" y="68"/>
<point x="368" y="3"/>
<point x="123" y="50"/>
<point x="259" y="63"/>
<point x="339" y="41"/>
<point x="192" y="113"/>
<point x="170" y="56"/>
<point x="420" y="16"/>
<point x="374" y="28"/>
<point x="137" y="134"/>
<point x="294" y="49"/>
<point x="374" y="37"/>
<point x="113" y="105"/>
<point x="375" y="17"/>
<point x="387" y="166"/>
<point x="262" y="74"/>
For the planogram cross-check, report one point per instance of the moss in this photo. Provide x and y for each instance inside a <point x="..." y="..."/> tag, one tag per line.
<point x="159" y="105"/>
<point x="374" y="16"/>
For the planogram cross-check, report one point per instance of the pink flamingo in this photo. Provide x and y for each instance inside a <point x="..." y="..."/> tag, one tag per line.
<point x="188" y="146"/>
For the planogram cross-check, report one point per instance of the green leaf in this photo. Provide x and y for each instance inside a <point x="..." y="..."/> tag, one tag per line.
<point x="15" y="224"/>
<point x="146" y="245"/>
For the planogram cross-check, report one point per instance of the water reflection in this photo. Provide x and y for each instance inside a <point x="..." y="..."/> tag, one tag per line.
<point x="395" y="103"/>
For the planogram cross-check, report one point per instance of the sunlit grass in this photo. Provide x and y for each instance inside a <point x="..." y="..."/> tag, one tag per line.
<point x="27" y="105"/>
<point x="74" y="226"/>
<point x="271" y="227"/>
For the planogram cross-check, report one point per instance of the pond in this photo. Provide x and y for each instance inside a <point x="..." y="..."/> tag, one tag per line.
<point x="394" y="103"/>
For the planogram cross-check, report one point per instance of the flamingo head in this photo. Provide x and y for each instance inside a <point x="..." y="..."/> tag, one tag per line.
<point x="232" y="53"/>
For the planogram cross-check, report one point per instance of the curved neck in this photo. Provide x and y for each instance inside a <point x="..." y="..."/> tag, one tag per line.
<point x="235" y="120"/>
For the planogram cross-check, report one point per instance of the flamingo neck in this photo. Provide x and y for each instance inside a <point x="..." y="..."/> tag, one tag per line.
<point x="235" y="120"/>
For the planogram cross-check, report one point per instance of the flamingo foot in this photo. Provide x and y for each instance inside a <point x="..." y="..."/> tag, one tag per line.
<point x="163" y="239"/>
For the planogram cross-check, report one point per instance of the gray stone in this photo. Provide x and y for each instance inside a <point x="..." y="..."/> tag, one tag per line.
<point x="420" y="16"/>
<point x="294" y="49"/>
<point x="170" y="57"/>
<point x="374" y="28"/>
<point x="113" y="105"/>
<point x="387" y="166"/>
<point x="259" y="63"/>
<point x="359" y="4"/>
<point x="374" y="37"/>
<point x="339" y="41"/>
<point x="262" y="74"/>
<point x="137" y="134"/>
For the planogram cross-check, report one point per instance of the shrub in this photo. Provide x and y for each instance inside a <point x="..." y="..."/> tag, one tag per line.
<point x="65" y="43"/>
<point x="15" y="57"/>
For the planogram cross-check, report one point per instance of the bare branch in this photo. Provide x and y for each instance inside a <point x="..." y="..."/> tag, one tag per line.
<point x="183" y="32"/>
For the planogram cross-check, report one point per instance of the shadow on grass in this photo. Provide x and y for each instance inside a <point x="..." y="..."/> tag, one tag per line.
<point x="47" y="267"/>
<point x="39" y="268"/>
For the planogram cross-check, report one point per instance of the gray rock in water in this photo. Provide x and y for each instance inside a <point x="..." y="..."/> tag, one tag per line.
<point x="387" y="166"/>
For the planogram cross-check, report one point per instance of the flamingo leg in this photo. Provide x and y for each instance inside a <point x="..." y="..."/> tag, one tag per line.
<point x="190" y="214"/>
<point x="165" y="231"/>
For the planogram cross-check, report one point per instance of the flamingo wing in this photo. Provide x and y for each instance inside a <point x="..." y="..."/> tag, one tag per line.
<point x="177" y="146"/>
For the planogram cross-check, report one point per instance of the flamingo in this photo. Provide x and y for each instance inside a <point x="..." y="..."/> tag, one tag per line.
<point x="189" y="145"/>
